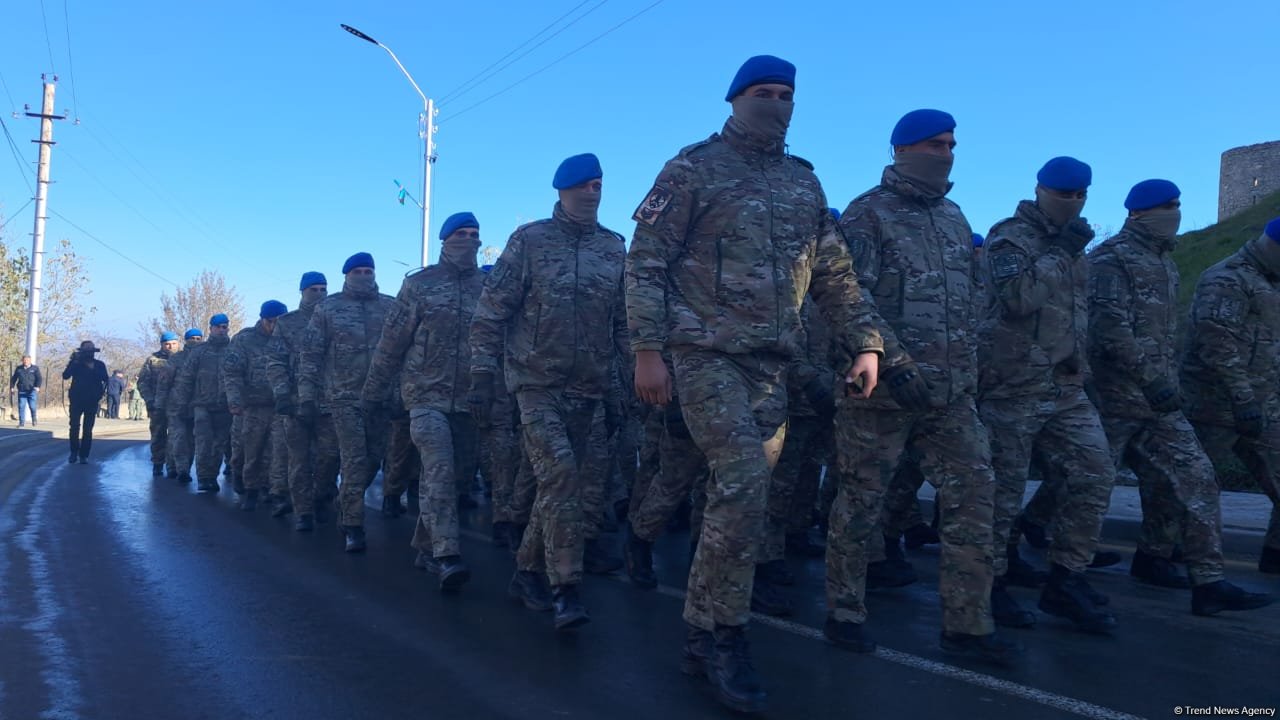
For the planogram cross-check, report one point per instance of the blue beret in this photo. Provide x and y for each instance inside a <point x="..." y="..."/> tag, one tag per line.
<point x="360" y="259"/>
<point x="272" y="309"/>
<point x="1151" y="193"/>
<point x="1065" y="173"/>
<point x="577" y="170"/>
<point x="310" y="278"/>
<point x="219" y="319"/>
<point x="835" y="214"/>
<point x="978" y="240"/>
<point x="457" y="221"/>
<point x="192" y="333"/>
<point x="920" y="125"/>
<point x="1273" y="230"/>
<point x="759" y="70"/>
<point x="168" y="336"/>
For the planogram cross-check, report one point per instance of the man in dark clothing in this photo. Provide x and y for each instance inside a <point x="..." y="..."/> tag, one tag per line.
<point x="27" y="381"/>
<point x="115" y="388"/>
<point x="88" y="378"/>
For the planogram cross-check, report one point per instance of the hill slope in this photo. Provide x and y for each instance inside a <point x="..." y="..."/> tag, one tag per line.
<point x="1197" y="251"/>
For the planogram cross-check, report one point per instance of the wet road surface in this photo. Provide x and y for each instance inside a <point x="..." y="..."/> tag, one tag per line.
<point x="127" y="597"/>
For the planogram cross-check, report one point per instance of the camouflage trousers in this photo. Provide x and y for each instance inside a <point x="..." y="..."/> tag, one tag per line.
<point x="212" y="432"/>
<point x="401" y="468"/>
<point x="180" y="447"/>
<point x="235" y="468"/>
<point x="596" y="469"/>
<point x="256" y="423"/>
<point x="361" y="444"/>
<point x="499" y="463"/>
<point x="556" y="431"/>
<point x="670" y="469"/>
<point x="625" y="457"/>
<point x="526" y="487"/>
<point x="793" y="487"/>
<point x="447" y="445"/>
<point x="313" y="462"/>
<point x="735" y="407"/>
<point x="158" y="424"/>
<point x="279" y="456"/>
<point x="1260" y="455"/>
<point x="954" y="453"/>
<point x="902" y="498"/>
<point x="1066" y="429"/>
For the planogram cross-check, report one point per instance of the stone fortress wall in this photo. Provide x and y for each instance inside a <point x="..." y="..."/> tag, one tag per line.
<point x="1248" y="174"/>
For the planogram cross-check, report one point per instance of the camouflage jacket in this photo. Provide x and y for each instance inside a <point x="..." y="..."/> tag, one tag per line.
<point x="1133" y="321"/>
<point x="244" y="369"/>
<point x="338" y="345"/>
<point x="149" y="377"/>
<point x="1233" y="343"/>
<point x="284" y="353"/>
<point x="553" y="305"/>
<point x="812" y="362"/>
<point x="167" y="373"/>
<point x="727" y="243"/>
<point x="199" y="379"/>
<point x="1035" y="310"/>
<point x="425" y="340"/>
<point x="913" y="253"/>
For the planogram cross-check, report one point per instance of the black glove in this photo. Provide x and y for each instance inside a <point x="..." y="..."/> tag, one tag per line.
<point x="1250" y="421"/>
<point x="284" y="406"/>
<point x="908" y="387"/>
<point x="1162" y="395"/>
<point x="307" y="412"/>
<point x="481" y="397"/>
<point x="820" y="397"/>
<point x="1074" y="237"/>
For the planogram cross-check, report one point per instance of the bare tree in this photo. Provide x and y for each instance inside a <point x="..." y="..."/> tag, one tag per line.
<point x="65" y="306"/>
<point x="193" y="305"/>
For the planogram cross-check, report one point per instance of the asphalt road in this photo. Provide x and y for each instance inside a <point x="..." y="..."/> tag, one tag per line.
<point x="127" y="597"/>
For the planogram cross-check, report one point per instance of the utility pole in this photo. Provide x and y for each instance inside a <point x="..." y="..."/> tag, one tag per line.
<point x="42" y="201"/>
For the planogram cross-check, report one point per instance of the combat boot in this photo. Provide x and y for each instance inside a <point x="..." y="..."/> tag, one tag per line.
<point x="530" y="588"/>
<point x="570" y="612"/>
<point x="847" y="635"/>
<point x="207" y="486"/>
<point x="355" y="538"/>
<point x="804" y="545"/>
<point x="1269" y="561"/>
<point x="1068" y="595"/>
<point x="989" y="648"/>
<point x="1005" y="610"/>
<point x="157" y="469"/>
<point x="597" y="560"/>
<point x="183" y="478"/>
<point x="767" y="599"/>
<point x="391" y="507"/>
<point x="1157" y="571"/>
<point x="282" y="506"/>
<point x="917" y="536"/>
<point x="424" y="561"/>
<point x="892" y="572"/>
<point x="72" y="458"/>
<point x="1022" y="573"/>
<point x="306" y="522"/>
<point x="501" y="534"/>
<point x="1212" y="598"/>
<point x="249" y="502"/>
<point x="731" y="673"/>
<point x="453" y="573"/>
<point x="1105" y="558"/>
<point x="1034" y="534"/>
<point x="696" y="651"/>
<point x="776" y="572"/>
<point x="172" y="474"/>
<point x="639" y="558"/>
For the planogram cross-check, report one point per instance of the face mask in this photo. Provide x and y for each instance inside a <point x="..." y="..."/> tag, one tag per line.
<point x="311" y="297"/>
<point x="1059" y="210"/>
<point x="927" y="170"/>
<point x="764" y="117"/>
<point x="580" y="204"/>
<point x="363" y="284"/>
<point x="1162" y="223"/>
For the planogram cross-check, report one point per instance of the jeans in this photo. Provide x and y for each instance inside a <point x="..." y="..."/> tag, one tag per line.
<point x="26" y="404"/>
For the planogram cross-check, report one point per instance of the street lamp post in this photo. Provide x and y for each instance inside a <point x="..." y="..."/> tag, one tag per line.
<point x="427" y="129"/>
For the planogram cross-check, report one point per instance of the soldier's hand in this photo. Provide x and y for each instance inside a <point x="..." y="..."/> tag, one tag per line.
<point x="820" y="397"/>
<point x="1074" y="237"/>
<point x="653" y="382"/>
<point x="909" y="387"/>
<point x="1250" y="420"/>
<point x="307" y="412"/>
<point x="284" y="406"/>
<point x="1162" y="395"/>
<point x="480" y="399"/>
<point x="863" y="377"/>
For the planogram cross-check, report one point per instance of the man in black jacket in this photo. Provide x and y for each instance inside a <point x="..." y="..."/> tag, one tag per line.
<point x="115" y="388"/>
<point x="27" y="381"/>
<point x="88" y="378"/>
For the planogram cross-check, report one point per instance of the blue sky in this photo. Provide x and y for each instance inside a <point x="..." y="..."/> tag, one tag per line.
<point x="261" y="140"/>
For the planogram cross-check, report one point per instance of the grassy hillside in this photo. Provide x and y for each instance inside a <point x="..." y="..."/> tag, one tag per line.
<point x="1199" y="250"/>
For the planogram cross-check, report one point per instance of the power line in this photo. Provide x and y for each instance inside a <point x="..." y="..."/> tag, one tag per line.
<point x="23" y="170"/>
<point x="472" y="82"/>
<point x="47" y="43"/>
<point x="66" y="17"/>
<point x="106" y="245"/>
<point x="551" y="64"/>
<point x="16" y="213"/>
<point x="12" y="105"/>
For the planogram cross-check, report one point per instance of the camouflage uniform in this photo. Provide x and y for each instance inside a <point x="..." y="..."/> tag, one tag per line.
<point x="728" y="241"/>
<point x="313" y="449"/>
<point x="402" y="467"/>
<point x="244" y="376"/>
<point x="556" y="294"/>
<point x="336" y="350"/>
<point x="180" y="450"/>
<point x="913" y="253"/>
<point x="198" y="393"/>
<point x="500" y="456"/>
<point x="279" y="456"/>
<point x="1033" y="365"/>
<point x="1232" y="363"/>
<point x="424" y="345"/>
<point x="158" y="420"/>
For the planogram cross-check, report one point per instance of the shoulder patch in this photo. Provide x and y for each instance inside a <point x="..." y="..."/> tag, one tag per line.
<point x="1229" y="309"/>
<point x="1005" y="265"/>
<point x="1106" y="286"/>
<point x="654" y="206"/>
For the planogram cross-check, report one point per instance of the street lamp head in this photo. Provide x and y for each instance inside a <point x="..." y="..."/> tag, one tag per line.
<point x="358" y="34"/>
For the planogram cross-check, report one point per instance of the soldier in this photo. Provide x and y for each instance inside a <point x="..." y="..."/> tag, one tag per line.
<point x="424" y="345"/>
<point x="556" y="295"/>
<point x="199" y="395"/>
<point x="727" y="243"/>
<point x="313" y="446"/>
<point x="244" y="377"/>
<point x="147" y="385"/>
<point x="912" y="248"/>
<point x="1132" y="336"/>
<point x="180" y="450"/>
<point x="1231" y="372"/>
<point x="1034" y="366"/>
<point x="336" y="349"/>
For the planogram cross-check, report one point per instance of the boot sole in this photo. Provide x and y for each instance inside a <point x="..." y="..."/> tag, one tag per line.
<point x="576" y="621"/>
<point x="1212" y="610"/>
<point x="453" y="581"/>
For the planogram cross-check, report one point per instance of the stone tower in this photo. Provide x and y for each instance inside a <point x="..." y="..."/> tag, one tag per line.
<point x="1248" y="174"/>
